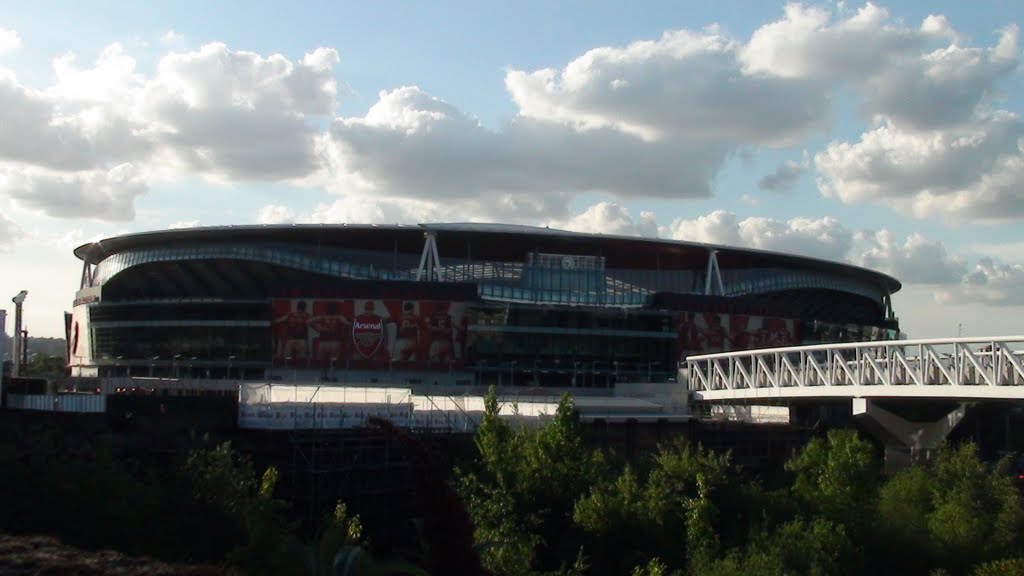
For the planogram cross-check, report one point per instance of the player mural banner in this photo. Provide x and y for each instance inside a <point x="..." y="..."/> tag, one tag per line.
<point x="359" y="333"/>
<point x="708" y="333"/>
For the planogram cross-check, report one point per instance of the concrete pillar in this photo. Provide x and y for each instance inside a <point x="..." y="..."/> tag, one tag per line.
<point x="905" y="442"/>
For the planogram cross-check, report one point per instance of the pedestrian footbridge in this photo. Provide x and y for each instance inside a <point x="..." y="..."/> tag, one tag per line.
<point x="947" y="373"/>
<point x="953" y="368"/>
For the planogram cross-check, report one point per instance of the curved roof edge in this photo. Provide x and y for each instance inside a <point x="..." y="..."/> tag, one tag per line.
<point x="94" y="252"/>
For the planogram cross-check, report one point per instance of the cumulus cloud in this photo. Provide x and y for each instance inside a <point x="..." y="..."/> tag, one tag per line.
<point x="275" y="214"/>
<point x="943" y="87"/>
<point x="101" y="194"/>
<point x="40" y="133"/>
<point x="913" y="260"/>
<point x="654" y="118"/>
<point x="685" y="83"/>
<point x="806" y="43"/>
<point x="920" y="78"/>
<point x="658" y="118"/>
<point x="219" y="113"/>
<point x="611" y="218"/>
<point x="785" y="176"/>
<point x="917" y="260"/>
<point x="362" y="210"/>
<point x="975" y="171"/>
<point x="9" y="41"/>
<point x="411" y="145"/>
<point x="239" y="115"/>
<point x="718" y="227"/>
<point x="989" y="282"/>
<point x="820" y="238"/>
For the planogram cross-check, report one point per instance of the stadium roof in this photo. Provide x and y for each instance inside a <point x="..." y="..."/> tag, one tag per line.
<point x="485" y="241"/>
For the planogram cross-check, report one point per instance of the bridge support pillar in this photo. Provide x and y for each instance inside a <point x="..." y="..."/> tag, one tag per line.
<point x="905" y="441"/>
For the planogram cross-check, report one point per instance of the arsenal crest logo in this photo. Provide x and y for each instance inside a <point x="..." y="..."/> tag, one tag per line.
<point x="368" y="332"/>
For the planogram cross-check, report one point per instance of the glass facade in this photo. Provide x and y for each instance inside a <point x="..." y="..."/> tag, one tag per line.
<point x="540" y="278"/>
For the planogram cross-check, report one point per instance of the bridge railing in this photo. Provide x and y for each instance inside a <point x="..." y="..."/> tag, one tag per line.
<point x="989" y="361"/>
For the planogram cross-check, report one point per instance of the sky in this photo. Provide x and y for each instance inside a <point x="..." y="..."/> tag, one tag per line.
<point x="884" y="135"/>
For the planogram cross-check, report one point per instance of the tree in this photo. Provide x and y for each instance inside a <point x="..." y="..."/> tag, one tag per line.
<point x="622" y="523"/>
<point x="837" y="478"/>
<point x="904" y="538"/>
<point x="976" y="511"/>
<point x="522" y="493"/>
<point x="270" y="545"/>
<point x="1008" y="567"/>
<point x="954" y="514"/>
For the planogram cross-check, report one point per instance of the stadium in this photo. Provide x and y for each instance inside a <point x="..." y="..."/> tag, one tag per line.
<point x="448" y="305"/>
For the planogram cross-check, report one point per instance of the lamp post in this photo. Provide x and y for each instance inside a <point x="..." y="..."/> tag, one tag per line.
<point x="230" y="358"/>
<point x="512" y="373"/>
<point x="333" y="359"/>
<point x="287" y="365"/>
<point x="575" y="370"/>
<point x="152" y="365"/>
<point x="174" y="364"/>
<point x="616" y="380"/>
<point x="649" y="365"/>
<point x="191" y="360"/>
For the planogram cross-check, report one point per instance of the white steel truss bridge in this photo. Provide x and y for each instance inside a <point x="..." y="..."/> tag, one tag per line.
<point x="953" y="368"/>
<point x="939" y="372"/>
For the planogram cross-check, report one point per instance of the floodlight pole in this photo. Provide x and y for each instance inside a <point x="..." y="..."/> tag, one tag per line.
<point x="18" y="345"/>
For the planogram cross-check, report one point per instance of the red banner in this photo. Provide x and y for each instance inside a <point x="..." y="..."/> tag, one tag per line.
<point x="369" y="333"/>
<point x="708" y="333"/>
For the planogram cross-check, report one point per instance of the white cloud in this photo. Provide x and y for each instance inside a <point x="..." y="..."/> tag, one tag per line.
<point x="9" y="233"/>
<point x="610" y="218"/>
<point x="972" y="172"/>
<point x="102" y="194"/>
<point x="688" y="85"/>
<point x="820" y="238"/>
<point x="68" y="240"/>
<point x="944" y="87"/>
<point x="989" y="282"/>
<point x="916" y="261"/>
<point x="183" y="224"/>
<point x="9" y="41"/>
<point x="920" y="78"/>
<point x="240" y="116"/>
<point x="718" y="227"/>
<point x="171" y="38"/>
<point x="214" y="112"/>
<point x="652" y="119"/>
<point x="785" y="176"/>
<point x="275" y="214"/>
<point x="659" y="118"/>
<point x="39" y="132"/>
<point x="805" y="43"/>
<point x="363" y="210"/>
<point x="414" y="146"/>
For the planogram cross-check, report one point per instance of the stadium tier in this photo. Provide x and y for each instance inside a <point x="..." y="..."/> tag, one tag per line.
<point x="448" y="304"/>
